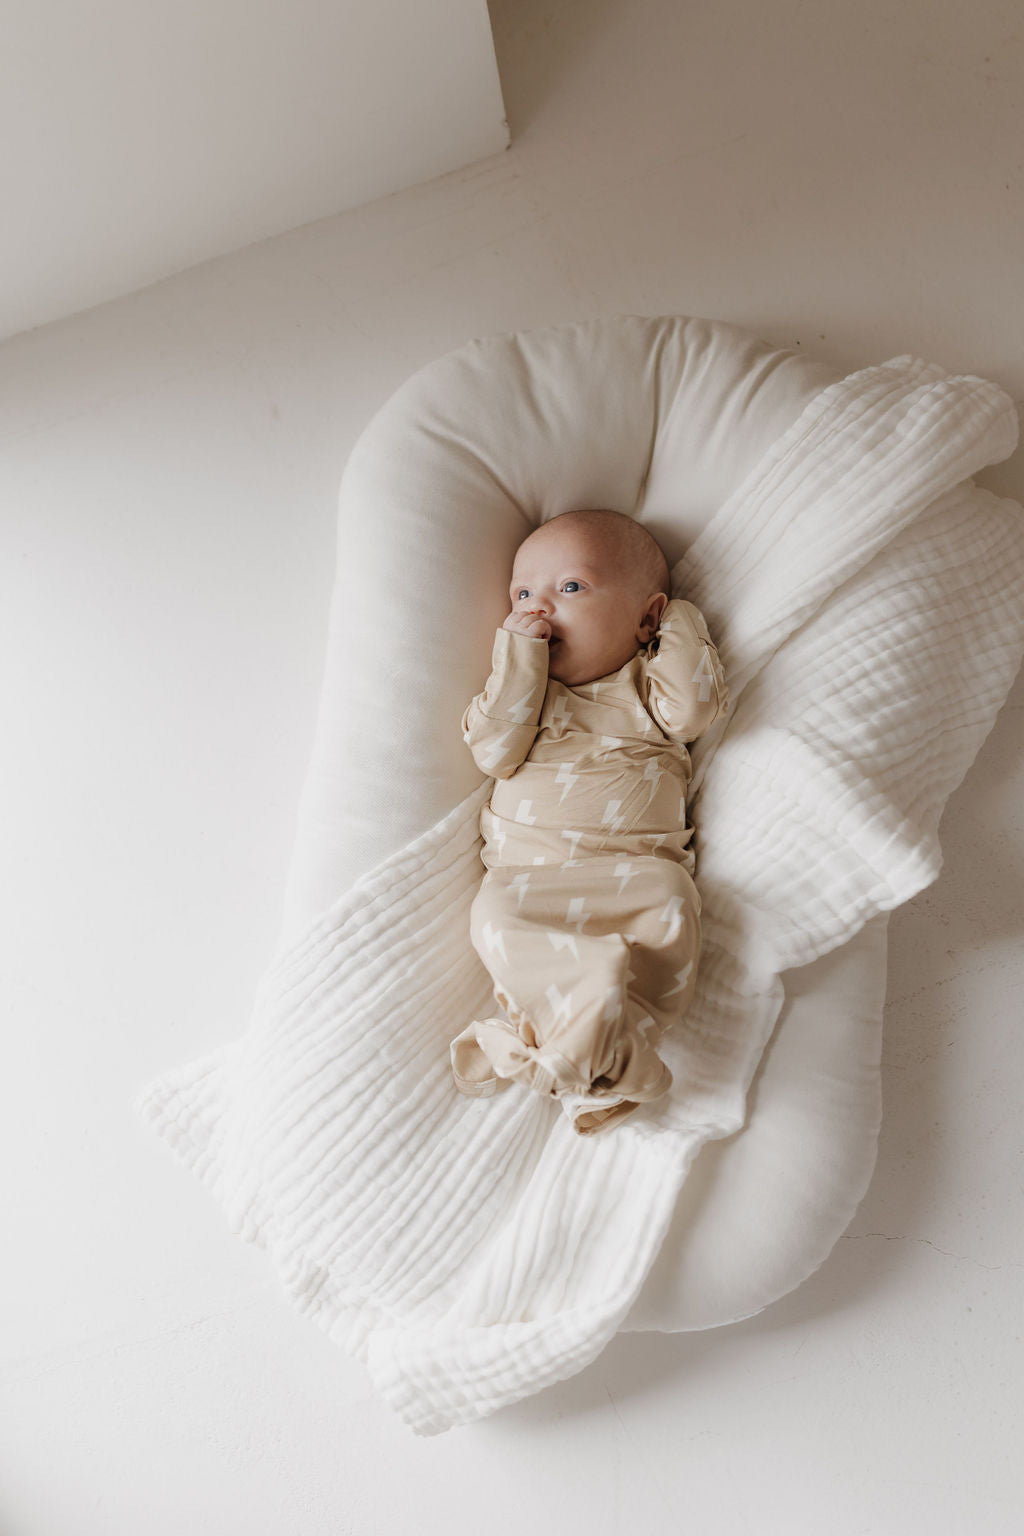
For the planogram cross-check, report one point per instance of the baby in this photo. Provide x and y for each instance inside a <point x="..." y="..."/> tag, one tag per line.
<point x="587" y="918"/>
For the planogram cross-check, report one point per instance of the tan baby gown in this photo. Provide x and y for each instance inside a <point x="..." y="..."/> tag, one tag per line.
<point x="587" y="918"/>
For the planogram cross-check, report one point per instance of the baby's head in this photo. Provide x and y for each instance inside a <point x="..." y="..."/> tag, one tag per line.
<point x="602" y="583"/>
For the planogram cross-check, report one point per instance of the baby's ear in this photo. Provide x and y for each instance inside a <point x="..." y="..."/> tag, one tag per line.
<point x="656" y="605"/>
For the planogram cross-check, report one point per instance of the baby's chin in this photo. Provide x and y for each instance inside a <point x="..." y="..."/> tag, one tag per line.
<point x="573" y="673"/>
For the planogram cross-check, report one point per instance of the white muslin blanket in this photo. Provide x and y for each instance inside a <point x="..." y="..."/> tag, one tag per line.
<point x="868" y="603"/>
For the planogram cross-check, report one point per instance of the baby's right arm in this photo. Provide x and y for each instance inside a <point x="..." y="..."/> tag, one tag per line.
<point x="499" y="725"/>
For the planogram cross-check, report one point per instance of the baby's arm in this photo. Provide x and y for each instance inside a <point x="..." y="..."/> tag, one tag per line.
<point x="686" y="680"/>
<point x="500" y="724"/>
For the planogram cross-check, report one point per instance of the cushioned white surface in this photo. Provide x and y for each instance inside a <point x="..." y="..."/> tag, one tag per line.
<point x="467" y="456"/>
<point x="762" y="1209"/>
<point x="867" y="599"/>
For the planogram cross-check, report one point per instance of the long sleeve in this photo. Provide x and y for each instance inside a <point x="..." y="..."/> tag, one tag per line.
<point x="499" y="725"/>
<point x="686" y="681"/>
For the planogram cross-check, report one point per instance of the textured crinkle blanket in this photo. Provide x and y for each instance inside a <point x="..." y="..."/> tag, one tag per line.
<point x="868" y="602"/>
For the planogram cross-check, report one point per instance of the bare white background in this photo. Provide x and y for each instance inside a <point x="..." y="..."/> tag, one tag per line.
<point x="844" y="178"/>
<point x="143" y="136"/>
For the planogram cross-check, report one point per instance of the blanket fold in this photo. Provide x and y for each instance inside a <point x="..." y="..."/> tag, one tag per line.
<point x="868" y="601"/>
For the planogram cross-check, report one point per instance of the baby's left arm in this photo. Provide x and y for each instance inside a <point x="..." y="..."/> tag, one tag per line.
<point x="686" y="681"/>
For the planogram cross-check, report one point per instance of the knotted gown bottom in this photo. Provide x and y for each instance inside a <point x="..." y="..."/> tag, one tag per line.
<point x="593" y="950"/>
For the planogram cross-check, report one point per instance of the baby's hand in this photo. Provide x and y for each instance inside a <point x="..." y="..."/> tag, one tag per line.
<point x="528" y="624"/>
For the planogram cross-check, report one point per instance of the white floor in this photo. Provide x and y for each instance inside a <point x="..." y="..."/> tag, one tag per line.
<point x="846" y="179"/>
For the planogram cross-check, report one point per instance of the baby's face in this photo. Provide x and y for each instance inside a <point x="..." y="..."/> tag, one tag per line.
<point x="597" y="619"/>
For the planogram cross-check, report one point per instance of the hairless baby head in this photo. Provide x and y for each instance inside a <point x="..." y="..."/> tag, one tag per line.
<point x="594" y="584"/>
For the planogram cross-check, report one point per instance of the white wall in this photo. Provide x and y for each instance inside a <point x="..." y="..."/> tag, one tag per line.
<point x="842" y="178"/>
<point x="143" y="136"/>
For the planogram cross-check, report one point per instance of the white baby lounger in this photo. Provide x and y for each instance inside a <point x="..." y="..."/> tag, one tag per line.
<point x="866" y="599"/>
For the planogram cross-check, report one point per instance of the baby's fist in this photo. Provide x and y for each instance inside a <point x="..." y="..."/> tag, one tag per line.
<point x="528" y="624"/>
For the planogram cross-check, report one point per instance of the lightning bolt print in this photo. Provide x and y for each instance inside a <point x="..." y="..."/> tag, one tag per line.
<point x="496" y="752"/>
<point x="497" y="836"/>
<point x="561" y="1007"/>
<point x="611" y="1009"/>
<point x="566" y="778"/>
<point x="561" y="714"/>
<point x="522" y="709"/>
<point x="495" y="940"/>
<point x="611" y="817"/>
<point x="704" y="676"/>
<point x="646" y="1027"/>
<point x="626" y="873"/>
<point x="682" y="977"/>
<point x="653" y="775"/>
<point x="574" y="840"/>
<point x="672" y="917"/>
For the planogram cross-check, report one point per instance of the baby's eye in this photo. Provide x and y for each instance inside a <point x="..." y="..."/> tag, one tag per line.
<point x="572" y="583"/>
<point x="520" y="594"/>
